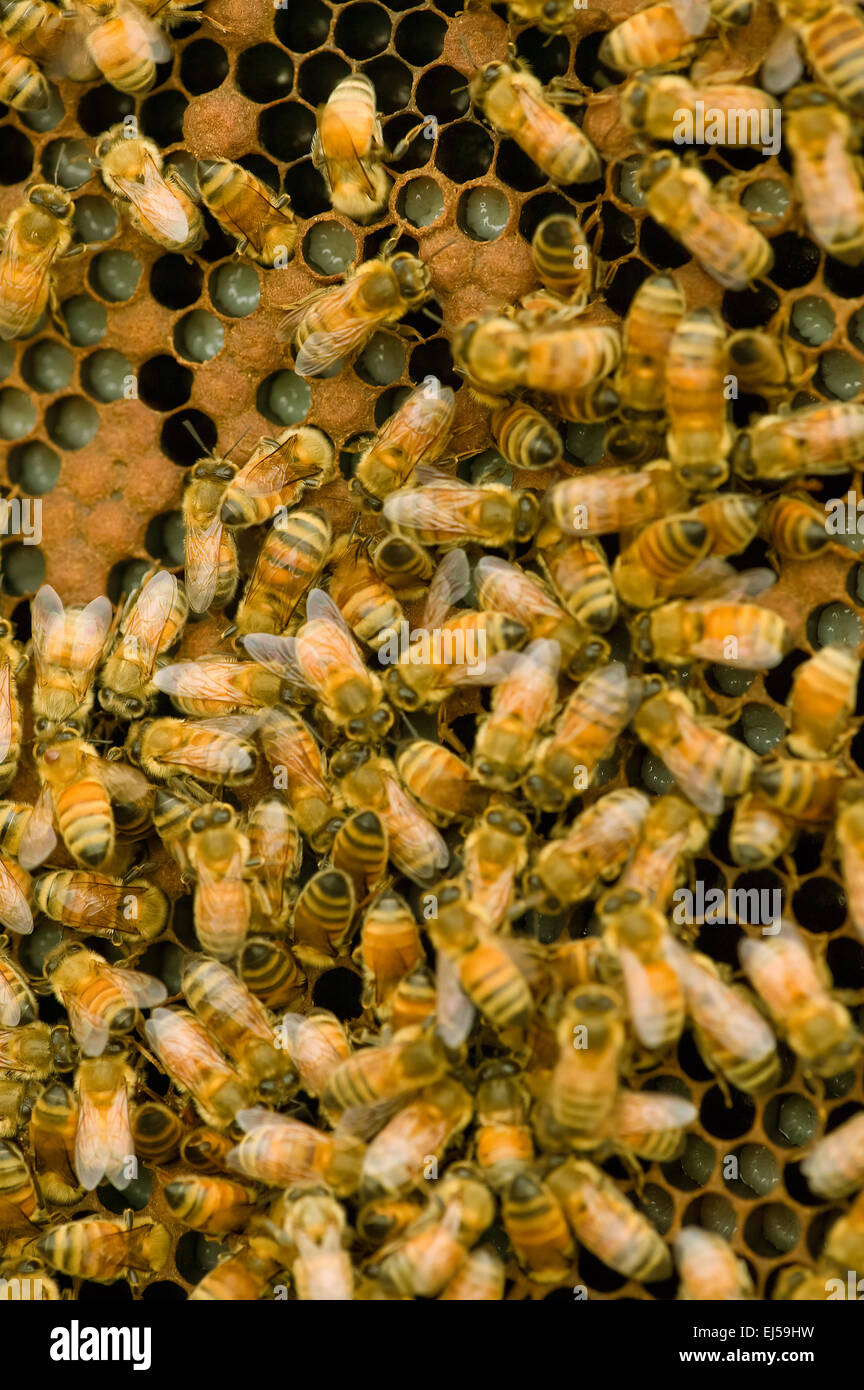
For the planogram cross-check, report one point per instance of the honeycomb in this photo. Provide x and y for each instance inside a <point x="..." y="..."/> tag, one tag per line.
<point x="110" y="462"/>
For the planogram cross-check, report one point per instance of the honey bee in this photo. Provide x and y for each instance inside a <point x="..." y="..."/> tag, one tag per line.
<point x="150" y="625"/>
<point x="602" y="1219"/>
<point x="210" y="567"/>
<point x="274" y="842"/>
<point x="156" y="1132"/>
<point x="415" y="999"/>
<point x="67" y="648"/>
<point x="700" y="629"/>
<point x="277" y="474"/>
<point x="219" y="855"/>
<point x="732" y="1036"/>
<point x="35" y="1051"/>
<point x="37" y="233"/>
<point x="384" y="1218"/>
<point x="834" y="1167"/>
<point x="581" y="578"/>
<point x="673" y="832"/>
<point x="712" y="228"/>
<point x="316" y="1043"/>
<point x="494" y="853"/>
<point x="17" y="1000"/>
<point x="820" y="138"/>
<point x="15" y="889"/>
<point x="849" y="831"/>
<point x="12" y="664"/>
<point x="397" y="1157"/>
<point x="264" y="225"/>
<point x="805" y="791"/>
<point x="403" y="564"/>
<point x="657" y="307"/>
<point x="535" y="1223"/>
<point x="242" y="1277"/>
<point x="160" y="205"/>
<point x="269" y="970"/>
<point x="665" y="35"/>
<point x="707" y="764"/>
<point x="759" y="833"/>
<point x="389" y="948"/>
<point x="597" y="845"/>
<point x="844" y="1244"/>
<point x="102" y="906"/>
<point x="300" y="770"/>
<point x="415" y="434"/>
<point x="480" y="1280"/>
<point x="19" y="1199"/>
<point x="290" y="560"/>
<point x="323" y="918"/>
<point x="523" y="597"/>
<point x="653" y="106"/>
<point x="186" y="1049"/>
<point x="833" y="38"/>
<point x="822" y="702"/>
<point x="699" y="437"/>
<point x="313" y="1225"/>
<point x="522" y="706"/>
<point x="214" y="1205"/>
<point x="591" y="1040"/>
<point x="333" y="322"/>
<point x="206" y="1150"/>
<point x="22" y="85"/>
<point x="447" y="512"/>
<point x="210" y="750"/>
<point x="491" y="971"/>
<point x="75" y="794"/>
<point x="100" y="999"/>
<point x="654" y="562"/>
<point x="525" y="438"/>
<point x="104" y="1146"/>
<point x="278" y="1151"/>
<point x="561" y="258"/>
<point x="103" y="1251"/>
<point x="325" y="661"/>
<point x="586" y="732"/>
<point x="552" y="356"/>
<point x="120" y="39"/>
<point x="796" y="988"/>
<point x="366" y="601"/>
<point x="709" y="1269"/>
<point x="440" y="782"/>
<point x="360" y="850"/>
<point x="512" y="100"/>
<point x="424" y="1258"/>
<point x="818" y="439"/>
<point x="240" y="1025"/>
<point x="650" y="1124"/>
<point x="384" y="1072"/>
<point x="636" y="935"/>
<point x="608" y="501"/>
<point x="504" y="1144"/>
<point x="796" y="529"/>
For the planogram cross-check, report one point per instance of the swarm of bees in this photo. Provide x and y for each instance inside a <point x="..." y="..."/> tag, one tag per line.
<point x="412" y="760"/>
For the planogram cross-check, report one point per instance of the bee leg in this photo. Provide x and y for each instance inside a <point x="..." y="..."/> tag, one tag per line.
<point x="430" y="123"/>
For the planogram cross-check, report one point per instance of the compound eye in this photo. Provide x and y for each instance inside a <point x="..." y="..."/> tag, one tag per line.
<point x="222" y="816"/>
<point x="198" y="823"/>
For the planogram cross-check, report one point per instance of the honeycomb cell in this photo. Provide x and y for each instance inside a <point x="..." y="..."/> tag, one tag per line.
<point x="47" y="366"/>
<point x="713" y="1213"/>
<point x="839" y="375"/>
<point x="196" y="1255"/>
<point x="483" y="213"/>
<point x="175" y="282"/>
<point x="203" y="66"/>
<point x="695" y="1166"/>
<point x="67" y="162"/>
<point x="820" y="905"/>
<point x="162" y="117"/>
<point x="95" y="219"/>
<point x="49" y="117"/>
<point x="772" y="1230"/>
<point x="812" y="320"/>
<point x="85" y="319"/>
<point x="329" y="248"/>
<point x="318" y="75"/>
<point x="382" y="361"/>
<point x="164" y="1291"/>
<point x="846" y="281"/>
<point x="790" y="1120"/>
<point x="464" y="151"/>
<point x="833" y="622"/>
<point x="17" y="413"/>
<point x="339" y="990"/>
<point x="179" y="443"/>
<point x="71" y="422"/>
<point x="164" y="539"/>
<point x="163" y="384"/>
<point x="750" y="308"/>
<point x="762" y="727"/>
<point x="102" y="107"/>
<point x="33" y="467"/>
<point x="420" y="202"/>
<point x="264" y="73"/>
<point x="846" y="962"/>
<point x="619" y="234"/>
<point x="434" y="359"/>
<point x="389" y="402"/>
<point x="307" y="190"/>
<point x="765" y="199"/>
<point x="750" y="1172"/>
<point x="284" y="398"/>
<point x="17" y="159"/>
<point x="133" y="1198"/>
<point x="588" y="67"/>
<point x="23" y="568"/>
<point x="392" y="82"/>
<point x="548" y="57"/>
<point x="287" y="130"/>
<point x="625" y="182"/>
<point x="584" y="443"/>
<point x="658" y="247"/>
<point x="727" y="1120"/>
<point x="303" y="28"/>
<point x="419" y="37"/>
<point x="115" y="275"/>
<point x="362" y="30"/>
<point x="199" y="336"/>
<point x="106" y="375"/>
<point x="235" y="290"/>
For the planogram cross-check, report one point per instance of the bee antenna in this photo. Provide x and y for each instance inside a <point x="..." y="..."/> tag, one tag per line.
<point x="409" y="725"/>
<point x="451" y="242"/>
<point x="466" y="50"/>
<point x="436" y="318"/>
<point x="239" y="439"/>
<point x="187" y="424"/>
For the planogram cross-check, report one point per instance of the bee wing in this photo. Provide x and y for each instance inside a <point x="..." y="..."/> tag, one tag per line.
<point x="718" y="1010"/>
<point x="121" y="782"/>
<point x="496" y="669"/>
<point x="412" y="837"/>
<point x="10" y="1009"/>
<point x="278" y="654"/>
<point x="47" y="614"/>
<point x="320" y="606"/>
<point x="708" y="796"/>
<point x="103" y="1140"/>
<point x="240" y="725"/>
<point x="146" y="623"/>
<point x="454" y="1012"/>
<point x="201" y="570"/>
<point x="69" y="55"/>
<point x="646" y="1006"/>
<point x="323" y="350"/>
<point x="450" y="582"/>
<point x="155" y="202"/>
<point x="28" y="276"/>
<point x="87" y="638"/>
<point x="441" y="510"/>
<point x="260" y="477"/>
<point x="15" y="910"/>
<point x="210" y="680"/>
<point x="89" y="1029"/>
<point x="256" y="1117"/>
<point x="39" y="837"/>
<point x="754" y="653"/>
<point x="290" y="751"/>
<point x="144" y="990"/>
<point x="780" y="967"/>
<point x="783" y="64"/>
<point x="695" y="15"/>
<point x="651" y="1112"/>
<point x="12" y="1218"/>
<point x="5" y="710"/>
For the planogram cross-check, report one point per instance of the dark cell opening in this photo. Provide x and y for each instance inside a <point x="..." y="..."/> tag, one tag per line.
<point x="174" y="282"/>
<point x="264" y="72"/>
<point x="318" y="76"/>
<point x="661" y="249"/>
<point x="286" y="130"/>
<point x="303" y="28"/>
<point x="846" y="961"/>
<point x="164" y="1291"/>
<point x="339" y="990"/>
<point x="796" y="261"/>
<point x="727" y="1121"/>
<point x="203" y="66"/>
<point x="419" y="149"/>
<point x="441" y="92"/>
<point x="464" y="151"/>
<point x="536" y="210"/>
<point x="820" y="905"/>
<point x="420" y="37"/>
<point x="622" y="288"/>
<point x="588" y="67"/>
<point x="434" y="359"/>
<point x="17" y="159"/>
<point x="101" y="1293"/>
<point x="163" y="383"/>
<point x="515" y="168"/>
<point x="307" y="190"/>
<point x="217" y="243"/>
<point x="162" y="117"/>
<point x="392" y="82"/>
<point x="547" y="57"/>
<point x="778" y="682"/>
<point x="179" y="445"/>
<point x="619" y="233"/>
<point x="103" y="107"/>
<point x="362" y="30"/>
<point x="750" y="308"/>
<point x="845" y="280"/>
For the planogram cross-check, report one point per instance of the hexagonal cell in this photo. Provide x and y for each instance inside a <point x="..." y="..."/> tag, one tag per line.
<point x="163" y="383"/>
<point x="48" y="117"/>
<point x="839" y="375"/>
<point x="820" y="905"/>
<point x="17" y="156"/>
<point x="464" y="151"/>
<point x="125" y="577"/>
<point x="834" y="622"/>
<point x="114" y="275"/>
<point x="847" y="281"/>
<point x="86" y="320"/>
<point x="203" y="66"/>
<point x="382" y="361"/>
<point x="162" y="117"/>
<point x="174" y="282"/>
<point x="362" y="30"/>
<point x="264" y="73"/>
<point x="34" y="467"/>
<point x="482" y="213"/>
<point x="303" y="28"/>
<point x="392" y="82"/>
<point x="329" y="248"/>
<point x="17" y="413"/>
<point x="762" y="727"/>
<point x="284" y="398"/>
<point x="164" y="539"/>
<point x="199" y="336"/>
<point x="23" y="568"/>
<point x="307" y="190"/>
<point x="420" y="202"/>
<point x="178" y="441"/>
<point x="47" y="366"/>
<point x="107" y="375"/>
<point x="765" y="199"/>
<point x="95" y="219"/>
<point x="318" y="75"/>
<point x="7" y="358"/>
<point x="71" y="422"/>
<point x="812" y="320"/>
<point x="419" y="37"/>
<point x="235" y="290"/>
<point x="772" y="1230"/>
<point x="67" y="162"/>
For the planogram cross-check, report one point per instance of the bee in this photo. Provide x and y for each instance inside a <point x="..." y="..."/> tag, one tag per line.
<point x="366" y="602"/>
<point x="707" y="764"/>
<point x="293" y="555"/>
<point x="602" y="1219"/>
<point x="385" y="1218"/>
<point x="15" y="890"/>
<point x="37" y="233"/>
<point x="22" y="85"/>
<point x="586" y="404"/>
<point x="709" y="1269"/>
<point x="277" y="474"/>
<point x="833" y="38"/>
<point x="504" y="1144"/>
<point x="264" y="225"/>
<point x="274" y="842"/>
<point x="699" y="437"/>
<point x="397" y="1158"/>
<point x="582" y="580"/>
<point x="732" y="520"/>
<point x="665" y="35"/>
<point x="210" y="564"/>
<point x="653" y="106"/>
<point x="300" y="770"/>
<point x="447" y="512"/>
<point x="796" y="529"/>
<point x="35" y="1051"/>
<point x="552" y="356"/>
<point x="160" y="205"/>
<point x="18" y="1195"/>
<point x="424" y="1258"/>
<point x="523" y="597"/>
<point x="844" y="1244"/>
<point x="389" y="949"/>
<point x="278" y="1151"/>
<point x="14" y="816"/>
<point x="822" y="702"/>
<point x="512" y="100"/>
<point x="636" y="934"/>
<point x="219" y="855"/>
<point x="16" y="1103"/>
<point x="53" y="1128"/>
<point x="796" y="988"/>
<point x="323" y="918"/>
<point x="243" y="1277"/>
<point x="75" y="794"/>
<point x="700" y="630"/>
<point x="103" y="1251"/>
<point x="834" y="1167"/>
<point x="240" y="1025"/>
<point x="360" y="850"/>
<point x="535" y="1223"/>
<point x="657" y="307"/>
<point x="214" y="1205"/>
<point x="712" y="228"/>
<point x="494" y="854"/>
<point x="591" y="1040"/>
<point x="67" y="648"/>
<point x="269" y="970"/>
<point x="332" y="322"/>
<point x="218" y="685"/>
<point x="522" y="706"/>
<point x="27" y="1281"/>
<point x="316" y="1043"/>
<point x="104" y="1146"/>
<point x="403" y="564"/>
<point x="384" y="1072"/>
<point x="597" y="845"/>
<point x="849" y="831"/>
<point x="100" y="999"/>
<point x="314" y="1228"/>
<point x="819" y="439"/>
<point x="650" y="1124"/>
<point x="17" y="1000"/>
<point x="804" y="791"/>
<point x="186" y="1049"/>
<point x="759" y="833"/>
<point x="206" y="1150"/>
<point x="608" y="501"/>
<point x="415" y="434"/>
<point x="440" y="782"/>
<point x="325" y="661"/>
<point x="157" y="1132"/>
<point x="210" y="750"/>
<point x="481" y="1278"/>
<point x="820" y="138"/>
<point x="492" y="971"/>
<point x="560" y="255"/>
<point x="525" y="438"/>
<point x="102" y="906"/>
<point x="415" y="999"/>
<point x="732" y="1036"/>
<point x="673" y="832"/>
<point x="12" y="665"/>
<point x="653" y="563"/>
<point x="586" y="732"/>
<point x="150" y="625"/>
